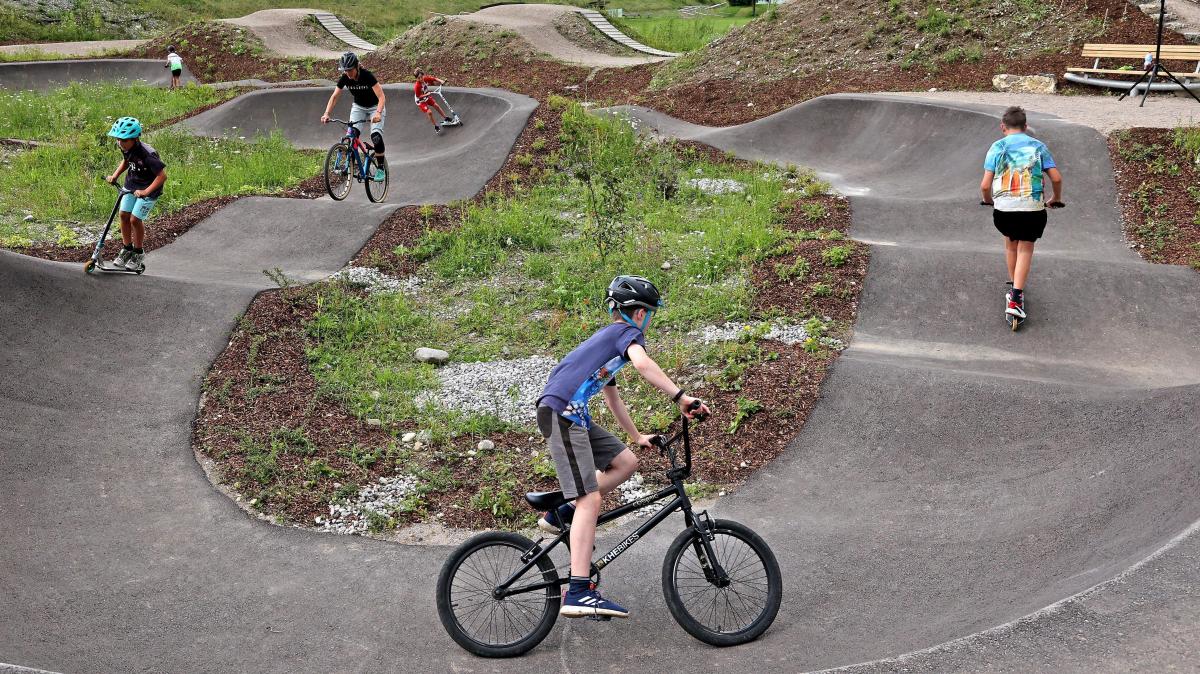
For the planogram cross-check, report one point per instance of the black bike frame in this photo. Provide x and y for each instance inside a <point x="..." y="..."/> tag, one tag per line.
<point x="677" y="474"/>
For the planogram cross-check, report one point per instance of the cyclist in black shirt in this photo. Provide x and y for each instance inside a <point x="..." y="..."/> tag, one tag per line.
<point x="369" y="103"/>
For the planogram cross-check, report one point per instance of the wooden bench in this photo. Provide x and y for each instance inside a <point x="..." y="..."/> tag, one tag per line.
<point x="1136" y="52"/>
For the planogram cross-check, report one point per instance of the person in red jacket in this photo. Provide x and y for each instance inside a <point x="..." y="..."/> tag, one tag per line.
<point x="425" y="99"/>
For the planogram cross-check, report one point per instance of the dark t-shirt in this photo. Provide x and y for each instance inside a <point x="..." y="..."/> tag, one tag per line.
<point x="591" y="366"/>
<point x="361" y="89"/>
<point x="144" y="167"/>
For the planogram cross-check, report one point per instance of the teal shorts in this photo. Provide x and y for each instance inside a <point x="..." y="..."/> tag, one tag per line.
<point x="138" y="206"/>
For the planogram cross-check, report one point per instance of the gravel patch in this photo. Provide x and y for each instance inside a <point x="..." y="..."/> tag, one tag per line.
<point x="352" y="516"/>
<point x="787" y="334"/>
<point x="375" y="281"/>
<point x="717" y="185"/>
<point x="505" y="388"/>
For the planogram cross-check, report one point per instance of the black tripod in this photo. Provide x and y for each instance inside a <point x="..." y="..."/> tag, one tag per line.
<point x="1158" y="66"/>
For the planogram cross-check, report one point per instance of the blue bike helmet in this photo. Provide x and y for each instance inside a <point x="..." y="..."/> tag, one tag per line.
<point x="126" y="127"/>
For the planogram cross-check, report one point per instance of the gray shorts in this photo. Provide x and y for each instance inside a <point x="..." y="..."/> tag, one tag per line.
<point x="578" y="452"/>
<point x="361" y="114"/>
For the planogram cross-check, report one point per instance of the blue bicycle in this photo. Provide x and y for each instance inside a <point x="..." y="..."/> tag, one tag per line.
<point x="352" y="157"/>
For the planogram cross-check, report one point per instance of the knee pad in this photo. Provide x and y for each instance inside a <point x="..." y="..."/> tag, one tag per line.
<point x="377" y="141"/>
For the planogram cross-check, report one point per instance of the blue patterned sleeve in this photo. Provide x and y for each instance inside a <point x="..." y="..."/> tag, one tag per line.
<point x="1047" y="158"/>
<point x="993" y="155"/>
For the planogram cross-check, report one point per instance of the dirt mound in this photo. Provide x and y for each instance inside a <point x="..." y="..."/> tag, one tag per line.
<point x="469" y="40"/>
<point x="822" y="37"/>
<point x="216" y="51"/>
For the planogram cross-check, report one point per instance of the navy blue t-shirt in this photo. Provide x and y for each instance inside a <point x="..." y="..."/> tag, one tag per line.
<point x="583" y="372"/>
<point x="144" y="167"/>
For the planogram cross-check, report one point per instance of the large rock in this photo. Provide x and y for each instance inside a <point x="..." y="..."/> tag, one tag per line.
<point x="1025" y="84"/>
<point x="435" y="356"/>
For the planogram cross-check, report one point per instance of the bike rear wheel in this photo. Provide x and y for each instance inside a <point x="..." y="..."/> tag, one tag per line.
<point x="338" y="167"/>
<point x="723" y="616"/>
<point x="377" y="189"/>
<point x="474" y="618"/>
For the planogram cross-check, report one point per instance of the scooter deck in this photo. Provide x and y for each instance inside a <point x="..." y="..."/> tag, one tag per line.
<point x="113" y="270"/>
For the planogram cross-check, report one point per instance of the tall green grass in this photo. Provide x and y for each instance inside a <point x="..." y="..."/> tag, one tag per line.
<point x="84" y="23"/>
<point x="674" y="33"/>
<point x="86" y="110"/>
<point x="63" y="187"/>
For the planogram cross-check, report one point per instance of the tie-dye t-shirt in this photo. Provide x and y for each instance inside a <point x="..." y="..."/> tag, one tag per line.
<point x="1018" y="162"/>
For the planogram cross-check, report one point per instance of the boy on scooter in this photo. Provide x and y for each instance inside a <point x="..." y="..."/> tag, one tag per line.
<point x="424" y="99"/>
<point x="146" y="176"/>
<point x="1013" y="183"/>
<point x="590" y="461"/>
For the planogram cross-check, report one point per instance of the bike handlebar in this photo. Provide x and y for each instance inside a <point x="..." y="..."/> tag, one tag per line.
<point x="1049" y="204"/>
<point x="665" y="444"/>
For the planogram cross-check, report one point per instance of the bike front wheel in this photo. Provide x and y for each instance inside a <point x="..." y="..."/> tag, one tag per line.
<point x="377" y="189"/>
<point x="728" y="611"/>
<point x="475" y="618"/>
<point x="338" y="166"/>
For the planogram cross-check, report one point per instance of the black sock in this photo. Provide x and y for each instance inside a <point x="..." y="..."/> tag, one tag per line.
<point x="1017" y="293"/>
<point x="129" y="246"/>
<point x="379" y="161"/>
<point x="579" y="584"/>
<point x="139" y="251"/>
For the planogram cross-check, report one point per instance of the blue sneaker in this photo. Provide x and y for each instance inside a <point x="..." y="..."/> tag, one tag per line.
<point x="554" y="521"/>
<point x="588" y="603"/>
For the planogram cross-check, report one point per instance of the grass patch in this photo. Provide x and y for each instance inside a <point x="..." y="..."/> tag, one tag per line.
<point x="678" y="34"/>
<point x="62" y="187"/>
<point x="80" y="111"/>
<point x="84" y="22"/>
<point x="524" y="275"/>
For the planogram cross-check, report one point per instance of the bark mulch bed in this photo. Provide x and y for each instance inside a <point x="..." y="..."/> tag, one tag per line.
<point x="784" y="381"/>
<point x="1159" y="187"/>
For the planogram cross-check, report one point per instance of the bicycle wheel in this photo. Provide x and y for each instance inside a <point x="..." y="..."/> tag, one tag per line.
<point x="377" y="189"/>
<point x="723" y="616"/>
<point x="482" y="624"/>
<point x="337" y="171"/>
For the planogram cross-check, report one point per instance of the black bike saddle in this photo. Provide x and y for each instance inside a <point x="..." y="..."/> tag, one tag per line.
<point x="545" y="500"/>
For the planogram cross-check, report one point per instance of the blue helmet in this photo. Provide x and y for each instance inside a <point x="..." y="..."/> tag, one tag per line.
<point x="126" y="127"/>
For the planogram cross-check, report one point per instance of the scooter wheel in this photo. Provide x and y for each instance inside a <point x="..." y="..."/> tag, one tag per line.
<point x="89" y="266"/>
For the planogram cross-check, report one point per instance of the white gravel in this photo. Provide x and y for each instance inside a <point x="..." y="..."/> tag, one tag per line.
<point x="717" y="185"/>
<point x="350" y="517"/>
<point x="788" y="334"/>
<point x="506" y="388"/>
<point x="375" y="281"/>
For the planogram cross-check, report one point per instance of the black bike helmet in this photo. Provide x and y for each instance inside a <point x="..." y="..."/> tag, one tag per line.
<point x="349" y="61"/>
<point x="631" y="292"/>
<point x="171" y="49"/>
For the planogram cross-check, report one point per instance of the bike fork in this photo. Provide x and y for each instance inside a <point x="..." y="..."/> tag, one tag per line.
<point x="713" y="571"/>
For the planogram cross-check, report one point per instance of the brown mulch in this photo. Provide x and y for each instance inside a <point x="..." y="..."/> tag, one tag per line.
<point x="1159" y="195"/>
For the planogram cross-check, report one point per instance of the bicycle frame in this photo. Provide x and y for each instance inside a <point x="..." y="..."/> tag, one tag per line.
<point x="359" y="150"/>
<point x="677" y="475"/>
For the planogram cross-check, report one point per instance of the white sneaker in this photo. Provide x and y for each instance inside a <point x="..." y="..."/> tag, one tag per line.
<point x="137" y="262"/>
<point x="122" y="258"/>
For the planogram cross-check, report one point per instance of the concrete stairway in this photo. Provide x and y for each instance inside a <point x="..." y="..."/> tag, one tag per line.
<point x="597" y="19"/>
<point x="1183" y="16"/>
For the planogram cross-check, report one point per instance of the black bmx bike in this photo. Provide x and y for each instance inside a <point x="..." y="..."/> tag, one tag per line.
<point x="499" y="593"/>
<point x="352" y="158"/>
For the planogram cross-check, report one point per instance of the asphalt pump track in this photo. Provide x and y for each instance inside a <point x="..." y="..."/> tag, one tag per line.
<point x="953" y="478"/>
<point x="46" y="75"/>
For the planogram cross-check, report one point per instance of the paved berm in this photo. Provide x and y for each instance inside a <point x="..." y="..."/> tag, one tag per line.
<point x="45" y="75"/>
<point x="955" y="477"/>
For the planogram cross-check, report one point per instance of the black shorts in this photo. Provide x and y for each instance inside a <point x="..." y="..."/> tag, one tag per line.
<point x="1020" y="225"/>
<point x="577" y="452"/>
